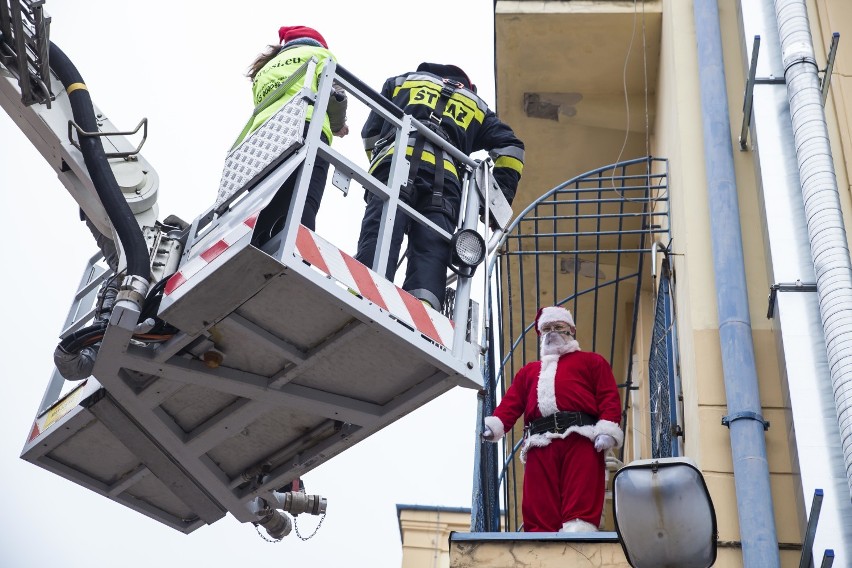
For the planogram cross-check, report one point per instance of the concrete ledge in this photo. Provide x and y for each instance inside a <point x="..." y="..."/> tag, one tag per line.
<point x="539" y="536"/>
<point x="517" y="550"/>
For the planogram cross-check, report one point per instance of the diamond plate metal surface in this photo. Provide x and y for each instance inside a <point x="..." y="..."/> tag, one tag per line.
<point x="261" y="147"/>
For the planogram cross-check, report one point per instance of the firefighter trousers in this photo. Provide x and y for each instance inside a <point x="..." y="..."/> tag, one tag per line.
<point x="428" y="253"/>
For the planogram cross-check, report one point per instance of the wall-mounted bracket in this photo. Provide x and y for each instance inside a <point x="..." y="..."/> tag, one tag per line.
<point x="748" y="99"/>
<point x="775" y="288"/>
<point x="829" y="66"/>
<point x="752" y="80"/>
<point x="806" y="560"/>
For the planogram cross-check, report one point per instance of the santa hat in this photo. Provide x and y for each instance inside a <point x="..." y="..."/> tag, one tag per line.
<point x="552" y="314"/>
<point x="289" y="33"/>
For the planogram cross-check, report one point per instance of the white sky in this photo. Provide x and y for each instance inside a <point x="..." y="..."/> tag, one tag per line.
<point x="181" y="64"/>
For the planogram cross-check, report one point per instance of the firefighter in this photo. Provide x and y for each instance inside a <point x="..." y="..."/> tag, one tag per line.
<point x="443" y="98"/>
<point x="571" y="410"/>
<point x="268" y="72"/>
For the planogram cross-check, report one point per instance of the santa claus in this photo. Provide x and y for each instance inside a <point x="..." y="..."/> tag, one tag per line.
<point x="571" y="410"/>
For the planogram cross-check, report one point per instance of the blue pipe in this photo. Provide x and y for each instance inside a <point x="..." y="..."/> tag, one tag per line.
<point x="748" y="446"/>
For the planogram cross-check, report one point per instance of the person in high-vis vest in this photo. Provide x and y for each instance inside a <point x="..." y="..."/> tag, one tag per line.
<point x="571" y="408"/>
<point x="443" y="98"/>
<point x="269" y="74"/>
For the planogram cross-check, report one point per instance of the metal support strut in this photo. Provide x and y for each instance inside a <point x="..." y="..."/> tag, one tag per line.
<point x="748" y="99"/>
<point x="798" y="286"/>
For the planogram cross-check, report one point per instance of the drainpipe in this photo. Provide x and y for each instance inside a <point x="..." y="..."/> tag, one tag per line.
<point x="748" y="446"/>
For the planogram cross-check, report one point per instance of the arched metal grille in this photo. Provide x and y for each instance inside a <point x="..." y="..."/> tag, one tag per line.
<point x="583" y="245"/>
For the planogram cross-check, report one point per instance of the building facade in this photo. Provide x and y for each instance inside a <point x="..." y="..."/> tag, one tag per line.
<point x="745" y="105"/>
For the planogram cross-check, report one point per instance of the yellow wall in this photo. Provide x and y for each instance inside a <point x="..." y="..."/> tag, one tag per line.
<point x="678" y="136"/>
<point x="425" y="533"/>
<point x="827" y="17"/>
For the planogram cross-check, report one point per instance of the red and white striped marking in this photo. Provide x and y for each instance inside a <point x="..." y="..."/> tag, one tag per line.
<point x="195" y="265"/>
<point x="329" y="259"/>
<point x="345" y="269"/>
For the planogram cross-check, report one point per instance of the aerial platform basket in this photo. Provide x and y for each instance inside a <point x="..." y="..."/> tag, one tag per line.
<point x="288" y="351"/>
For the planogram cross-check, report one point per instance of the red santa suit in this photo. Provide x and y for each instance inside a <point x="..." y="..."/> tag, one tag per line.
<point x="564" y="481"/>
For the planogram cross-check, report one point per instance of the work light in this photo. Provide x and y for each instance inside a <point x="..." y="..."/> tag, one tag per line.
<point x="467" y="249"/>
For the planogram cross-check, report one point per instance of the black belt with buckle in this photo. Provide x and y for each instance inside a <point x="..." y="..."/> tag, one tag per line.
<point x="559" y="422"/>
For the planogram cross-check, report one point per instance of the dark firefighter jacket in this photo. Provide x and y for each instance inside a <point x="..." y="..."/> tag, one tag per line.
<point x="467" y="123"/>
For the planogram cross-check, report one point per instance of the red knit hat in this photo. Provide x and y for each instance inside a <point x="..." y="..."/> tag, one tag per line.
<point x="289" y="33"/>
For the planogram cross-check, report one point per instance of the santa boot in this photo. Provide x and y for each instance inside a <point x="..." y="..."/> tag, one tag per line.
<point x="578" y="525"/>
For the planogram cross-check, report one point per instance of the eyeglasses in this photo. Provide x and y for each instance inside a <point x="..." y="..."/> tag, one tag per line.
<point x="558" y="327"/>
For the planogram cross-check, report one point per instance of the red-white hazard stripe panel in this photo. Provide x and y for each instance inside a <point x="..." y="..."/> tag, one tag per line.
<point x="342" y="267"/>
<point x="329" y="259"/>
<point x="195" y="265"/>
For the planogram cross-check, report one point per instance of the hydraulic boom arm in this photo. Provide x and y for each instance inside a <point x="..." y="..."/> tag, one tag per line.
<point x="33" y="94"/>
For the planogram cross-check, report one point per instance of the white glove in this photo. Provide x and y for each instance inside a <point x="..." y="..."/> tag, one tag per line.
<point x="604" y="442"/>
<point x="487" y="434"/>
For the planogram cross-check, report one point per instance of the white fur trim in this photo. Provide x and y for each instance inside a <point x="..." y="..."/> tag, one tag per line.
<point x="589" y="432"/>
<point x="496" y="426"/>
<point x="578" y="525"/>
<point x="552" y="314"/>
<point x="546" y="388"/>
<point x="611" y="428"/>
<point x="544" y="439"/>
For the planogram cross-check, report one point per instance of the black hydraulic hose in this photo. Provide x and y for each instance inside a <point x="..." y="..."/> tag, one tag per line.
<point x="77" y="340"/>
<point x="116" y="206"/>
<point x="150" y="307"/>
<point x="152" y="300"/>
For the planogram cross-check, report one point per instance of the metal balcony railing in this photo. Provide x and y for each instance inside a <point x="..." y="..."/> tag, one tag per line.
<point x="585" y="245"/>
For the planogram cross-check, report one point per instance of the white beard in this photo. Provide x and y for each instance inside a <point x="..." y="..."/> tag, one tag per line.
<point x="554" y="343"/>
